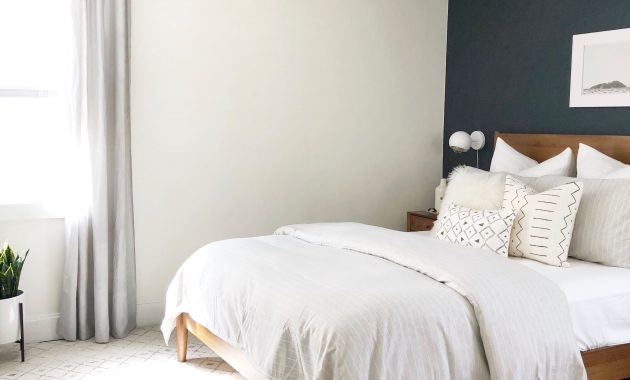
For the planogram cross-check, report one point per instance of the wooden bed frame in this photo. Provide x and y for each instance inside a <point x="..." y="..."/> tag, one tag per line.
<point x="541" y="147"/>
<point x="230" y="354"/>
<point x="607" y="363"/>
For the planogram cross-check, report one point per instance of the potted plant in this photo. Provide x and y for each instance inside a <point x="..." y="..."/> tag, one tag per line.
<point x="10" y="296"/>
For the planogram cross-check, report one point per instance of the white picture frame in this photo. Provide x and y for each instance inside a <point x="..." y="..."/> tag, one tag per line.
<point x="600" y="65"/>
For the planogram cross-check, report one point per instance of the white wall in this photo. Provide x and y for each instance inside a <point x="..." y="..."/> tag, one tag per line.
<point x="248" y="115"/>
<point x="42" y="274"/>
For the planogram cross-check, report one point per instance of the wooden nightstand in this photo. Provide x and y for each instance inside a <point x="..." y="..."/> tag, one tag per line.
<point x="420" y="220"/>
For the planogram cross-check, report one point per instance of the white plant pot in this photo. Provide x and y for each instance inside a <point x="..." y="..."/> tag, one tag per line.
<point x="10" y="318"/>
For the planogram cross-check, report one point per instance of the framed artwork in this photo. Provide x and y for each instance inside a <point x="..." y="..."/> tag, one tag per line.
<point x="600" y="69"/>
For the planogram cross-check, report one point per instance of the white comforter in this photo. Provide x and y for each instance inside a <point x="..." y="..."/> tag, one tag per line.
<point x="350" y="301"/>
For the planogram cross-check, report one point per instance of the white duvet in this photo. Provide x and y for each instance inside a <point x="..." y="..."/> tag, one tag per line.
<point x="350" y="301"/>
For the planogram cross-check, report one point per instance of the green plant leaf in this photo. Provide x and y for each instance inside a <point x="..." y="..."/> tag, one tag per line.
<point x="11" y="265"/>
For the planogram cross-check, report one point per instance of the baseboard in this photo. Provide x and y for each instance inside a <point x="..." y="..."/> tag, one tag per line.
<point x="40" y="328"/>
<point x="150" y="314"/>
<point x="43" y="327"/>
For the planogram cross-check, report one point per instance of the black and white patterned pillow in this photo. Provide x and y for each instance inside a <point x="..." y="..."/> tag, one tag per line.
<point x="486" y="229"/>
<point x="544" y="221"/>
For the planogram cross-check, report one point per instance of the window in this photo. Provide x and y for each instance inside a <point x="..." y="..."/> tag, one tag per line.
<point x="35" y="72"/>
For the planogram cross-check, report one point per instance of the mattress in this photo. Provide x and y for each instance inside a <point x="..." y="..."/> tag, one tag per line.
<point x="598" y="297"/>
<point x="599" y="300"/>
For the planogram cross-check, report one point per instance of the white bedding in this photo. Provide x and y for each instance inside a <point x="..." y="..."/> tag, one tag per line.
<point x="599" y="300"/>
<point x="350" y="301"/>
<point x="598" y="297"/>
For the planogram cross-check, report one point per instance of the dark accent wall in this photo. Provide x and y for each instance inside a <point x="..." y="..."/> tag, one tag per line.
<point x="508" y="68"/>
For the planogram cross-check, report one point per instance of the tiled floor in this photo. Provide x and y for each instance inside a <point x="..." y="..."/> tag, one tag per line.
<point x="141" y="355"/>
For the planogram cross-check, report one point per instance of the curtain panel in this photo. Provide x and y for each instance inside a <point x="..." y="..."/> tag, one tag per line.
<point x="99" y="286"/>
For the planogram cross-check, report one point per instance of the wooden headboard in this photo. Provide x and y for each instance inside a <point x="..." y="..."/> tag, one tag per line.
<point x="541" y="147"/>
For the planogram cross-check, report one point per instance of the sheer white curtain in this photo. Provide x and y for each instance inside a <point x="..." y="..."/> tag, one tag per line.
<point x="99" y="290"/>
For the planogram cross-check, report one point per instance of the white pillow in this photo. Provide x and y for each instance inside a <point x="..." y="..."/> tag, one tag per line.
<point x="602" y="226"/>
<point x="592" y="163"/>
<point x="544" y="221"/>
<point x="472" y="188"/>
<point x="508" y="160"/>
<point x="485" y="229"/>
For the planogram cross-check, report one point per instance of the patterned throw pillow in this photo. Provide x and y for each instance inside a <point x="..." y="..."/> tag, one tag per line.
<point x="486" y="229"/>
<point x="544" y="221"/>
<point x="602" y="226"/>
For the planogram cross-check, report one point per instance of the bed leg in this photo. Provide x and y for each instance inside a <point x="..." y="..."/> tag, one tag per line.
<point x="182" y="338"/>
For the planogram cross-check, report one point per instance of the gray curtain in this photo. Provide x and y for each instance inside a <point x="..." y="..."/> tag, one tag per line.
<point x="99" y="289"/>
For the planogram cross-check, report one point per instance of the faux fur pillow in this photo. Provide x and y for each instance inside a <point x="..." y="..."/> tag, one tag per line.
<point x="472" y="188"/>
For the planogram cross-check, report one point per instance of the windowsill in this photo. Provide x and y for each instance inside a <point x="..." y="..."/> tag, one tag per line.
<point x="30" y="211"/>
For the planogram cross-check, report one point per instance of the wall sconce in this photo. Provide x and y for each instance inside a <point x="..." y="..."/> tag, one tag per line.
<point x="461" y="142"/>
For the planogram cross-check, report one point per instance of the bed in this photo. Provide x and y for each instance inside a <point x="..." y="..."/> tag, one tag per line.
<point x="604" y="341"/>
<point x="606" y="361"/>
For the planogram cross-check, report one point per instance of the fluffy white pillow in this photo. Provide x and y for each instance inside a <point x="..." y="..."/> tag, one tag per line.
<point x="485" y="229"/>
<point x="472" y="188"/>
<point x="508" y="160"/>
<point x="592" y="163"/>
<point x="544" y="221"/>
